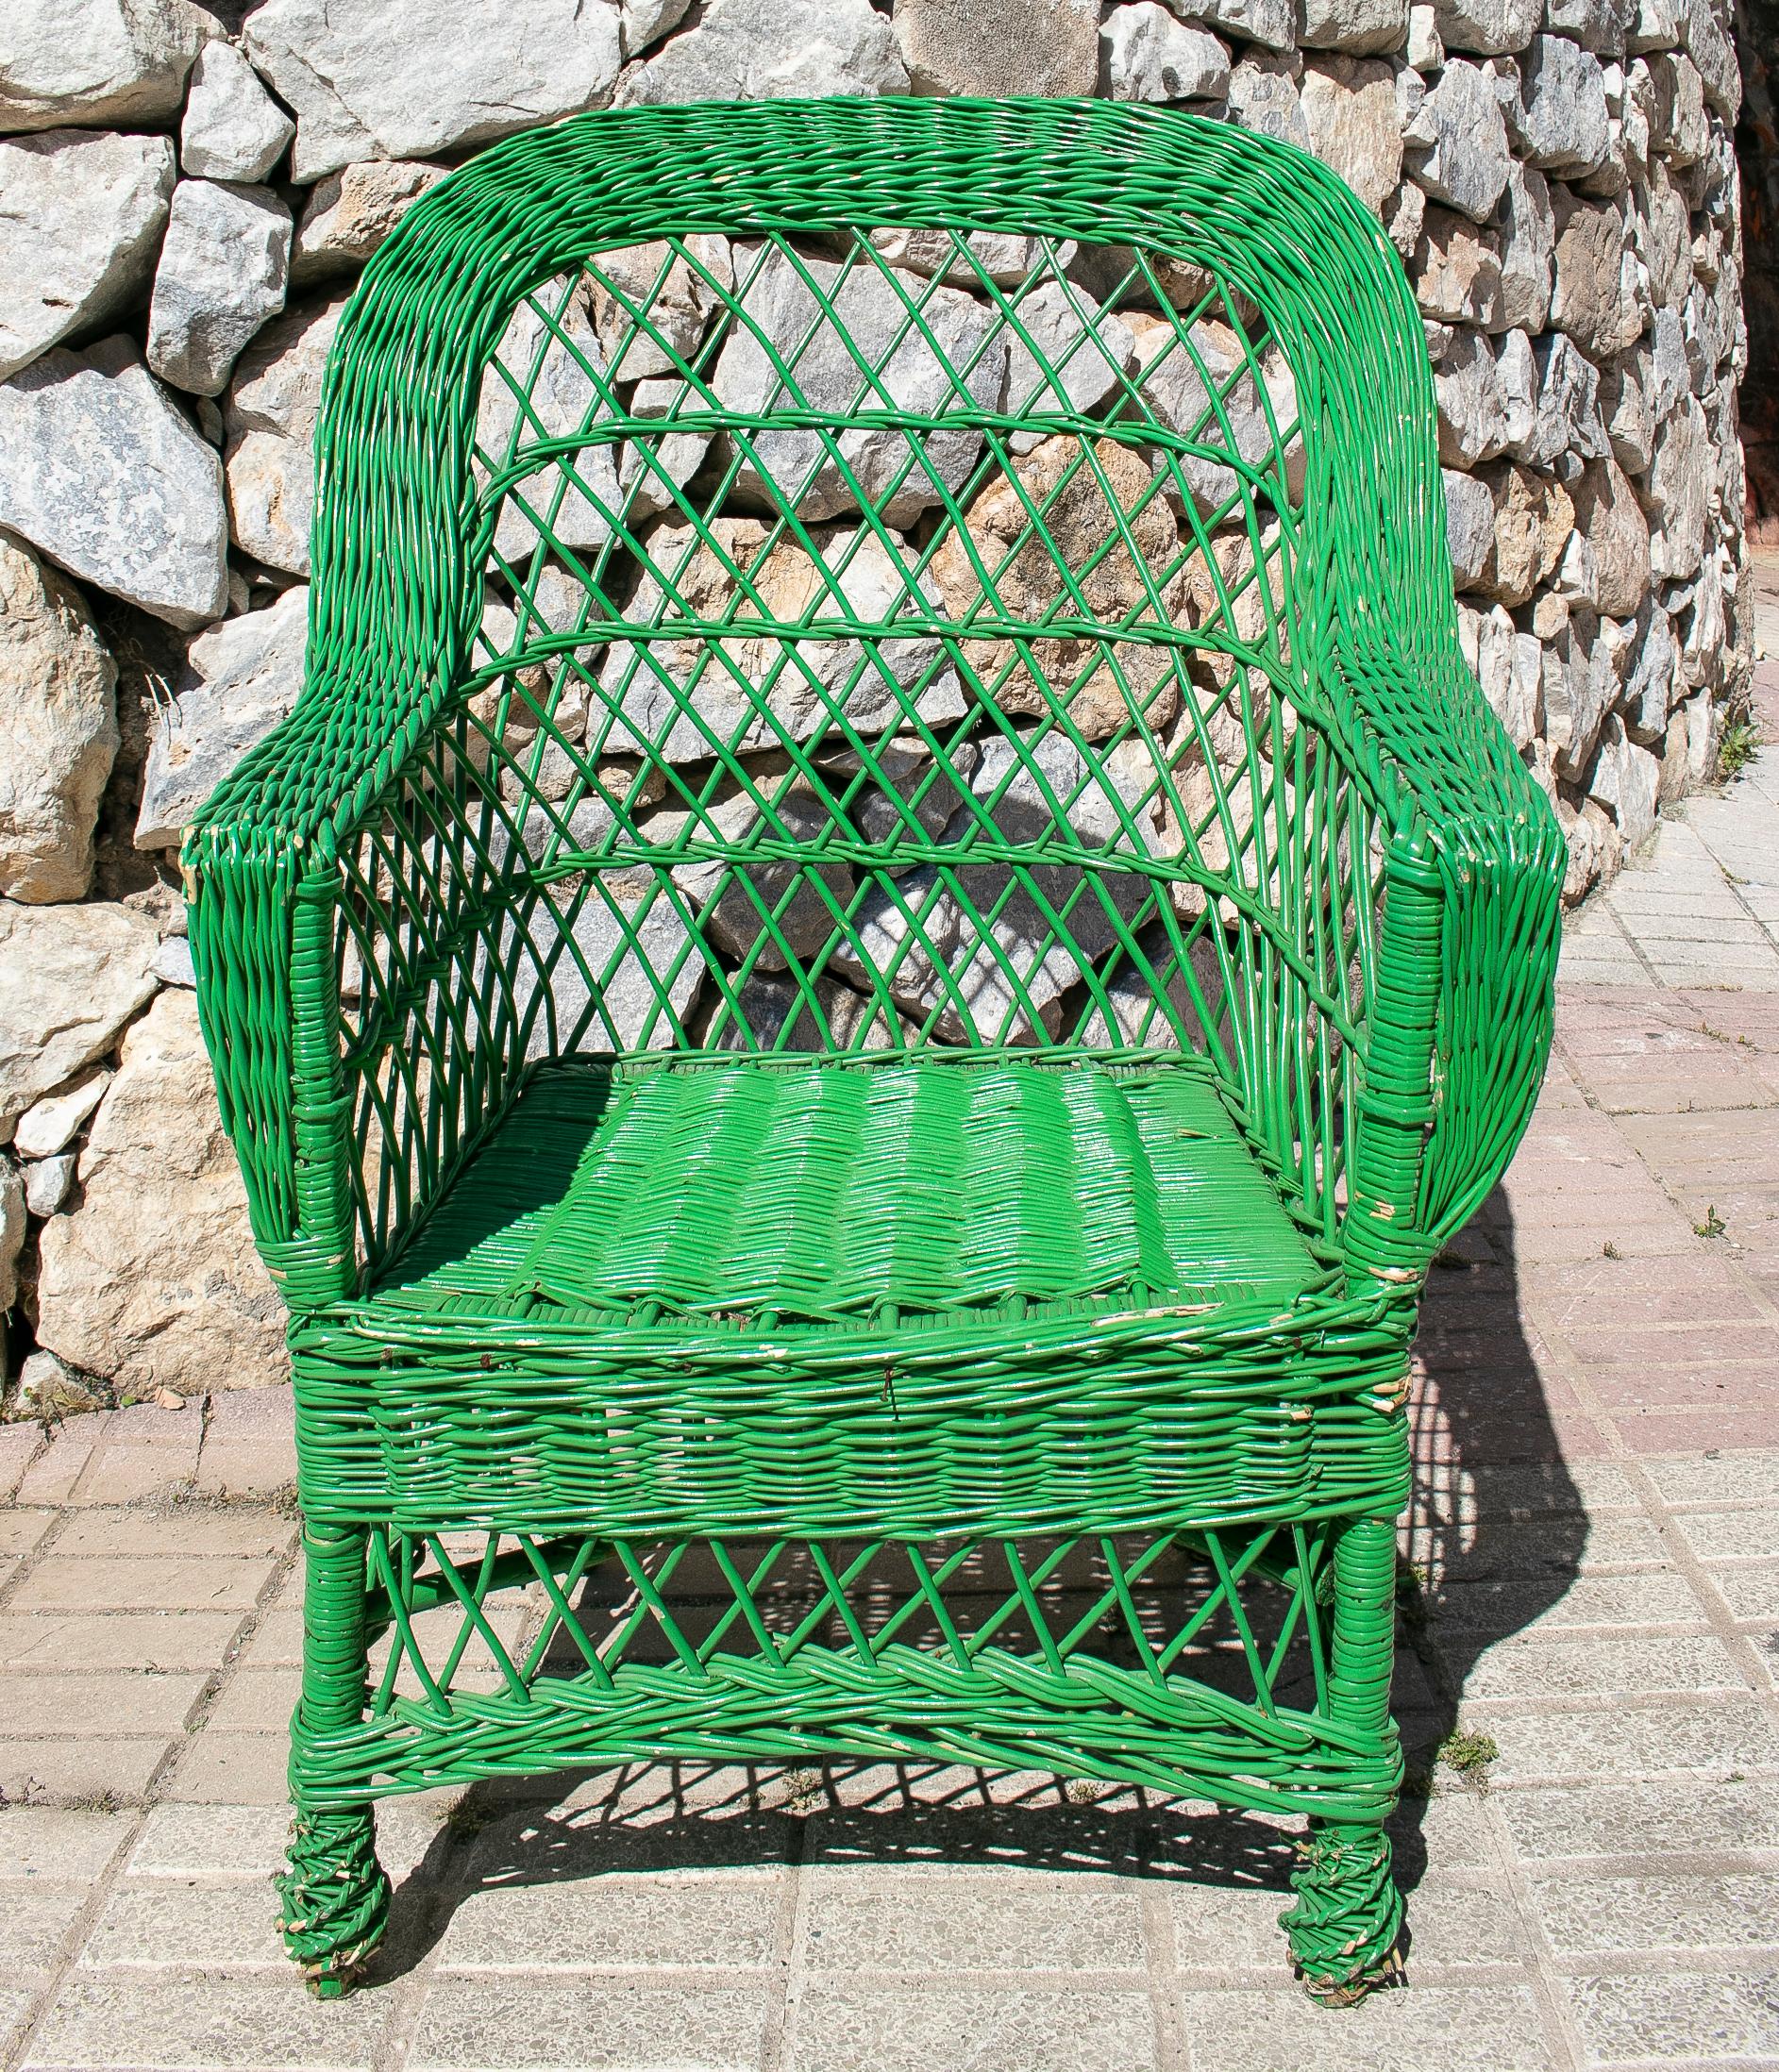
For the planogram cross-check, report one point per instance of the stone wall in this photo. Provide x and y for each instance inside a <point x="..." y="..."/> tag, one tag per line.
<point x="1757" y="151"/>
<point x="188" y="196"/>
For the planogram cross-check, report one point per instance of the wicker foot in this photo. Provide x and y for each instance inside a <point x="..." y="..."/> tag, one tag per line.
<point x="335" y="1899"/>
<point x="1346" y="1924"/>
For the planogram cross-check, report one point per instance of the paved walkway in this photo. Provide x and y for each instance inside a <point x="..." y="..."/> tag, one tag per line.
<point x="1598" y="1530"/>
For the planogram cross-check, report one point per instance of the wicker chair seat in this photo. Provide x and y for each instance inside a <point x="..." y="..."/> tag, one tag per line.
<point x="817" y="1297"/>
<point x="765" y="1197"/>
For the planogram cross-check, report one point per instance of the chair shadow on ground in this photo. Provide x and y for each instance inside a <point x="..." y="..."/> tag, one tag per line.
<point x="1493" y="1538"/>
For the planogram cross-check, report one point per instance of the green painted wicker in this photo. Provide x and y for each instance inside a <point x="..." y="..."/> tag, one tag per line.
<point x="887" y="935"/>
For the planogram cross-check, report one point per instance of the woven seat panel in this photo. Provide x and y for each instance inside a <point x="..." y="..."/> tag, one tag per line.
<point x="821" y="1192"/>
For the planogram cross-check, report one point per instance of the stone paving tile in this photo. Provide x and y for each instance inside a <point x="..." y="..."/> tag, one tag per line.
<point x="1668" y="1816"/>
<point x="247" y="1532"/>
<point x="1717" y="1479"/>
<point x="838" y="2027"/>
<point x="1707" y="1390"/>
<point x="1453" y="1829"/>
<point x="1659" y="1598"/>
<point x="20" y="1445"/>
<point x="1732" y="1535"/>
<point x="1494" y="2028"/>
<point x="221" y="1769"/>
<point x="857" y="1921"/>
<point x="1718" y="1735"/>
<point x="1699" y="2016"/>
<point x="244" y="1471"/>
<point x="57" y="1467"/>
<point x="124" y="1474"/>
<point x="185" y="1840"/>
<point x="476" y="2025"/>
<point x="19" y="1531"/>
<point x="52" y="1842"/>
<point x="36" y="1918"/>
<point x="165" y="1924"/>
<point x="17" y="2003"/>
<point x="618" y="1923"/>
<point x="124" y="1703"/>
<point x="93" y="1769"/>
<point x="1623" y="1302"/>
<point x="1535" y="1665"/>
<point x="258" y="1701"/>
<point x="1605" y="1915"/>
<point x="276" y="1640"/>
<point x="173" y="1583"/>
<point x="1750" y="1590"/>
<point x="513" y="1846"/>
<point x="106" y="2024"/>
<point x="1454" y="1922"/>
<point x="116" y="1640"/>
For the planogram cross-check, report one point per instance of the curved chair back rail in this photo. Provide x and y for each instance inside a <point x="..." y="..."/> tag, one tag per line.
<point x="889" y="921"/>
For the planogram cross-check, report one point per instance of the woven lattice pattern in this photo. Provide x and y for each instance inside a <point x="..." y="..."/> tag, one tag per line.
<point x="886" y="937"/>
<point x="1003" y="753"/>
<point x="808" y="1648"/>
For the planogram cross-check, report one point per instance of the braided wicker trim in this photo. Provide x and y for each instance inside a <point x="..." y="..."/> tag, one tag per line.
<point x="1345" y="1923"/>
<point x="334" y="1898"/>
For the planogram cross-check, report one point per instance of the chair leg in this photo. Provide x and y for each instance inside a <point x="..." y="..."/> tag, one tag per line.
<point x="335" y="1898"/>
<point x="1345" y="1925"/>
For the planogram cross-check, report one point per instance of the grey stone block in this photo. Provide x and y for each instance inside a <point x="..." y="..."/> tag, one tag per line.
<point x="1459" y="141"/>
<point x="101" y="469"/>
<point x="999" y="47"/>
<point x="233" y="129"/>
<point x="358" y="93"/>
<point x="240" y="679"/>
<point x="758" y="49"/>
<point x="225" y="265"/>
<point x="84" y="215"/>
<point x="917" y="373"/>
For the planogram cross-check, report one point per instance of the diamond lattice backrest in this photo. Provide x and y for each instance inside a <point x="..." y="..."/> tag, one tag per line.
<point x="886" y="638"/>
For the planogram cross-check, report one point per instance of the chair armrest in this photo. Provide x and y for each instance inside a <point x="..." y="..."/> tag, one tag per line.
<point x="1465" y="972"/>
<point x="271" y="903"/>
<point x="262" y="927"/>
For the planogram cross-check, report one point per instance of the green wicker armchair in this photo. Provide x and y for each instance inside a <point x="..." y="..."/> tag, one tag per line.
<point x="887" y="935"/>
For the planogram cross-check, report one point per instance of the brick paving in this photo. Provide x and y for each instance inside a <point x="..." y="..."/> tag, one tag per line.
<point x="1597" y="1525"/>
